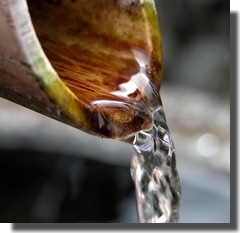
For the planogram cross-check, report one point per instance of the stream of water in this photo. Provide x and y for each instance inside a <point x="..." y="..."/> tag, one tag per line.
<point x="155" y="174"/>
<point x="153" y="167"/>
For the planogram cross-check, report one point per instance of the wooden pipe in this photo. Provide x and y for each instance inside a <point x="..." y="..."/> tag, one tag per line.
<point x="67" y="59"/>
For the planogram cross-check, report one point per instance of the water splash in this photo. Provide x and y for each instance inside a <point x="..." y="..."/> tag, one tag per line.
<point x="154" y="173"/>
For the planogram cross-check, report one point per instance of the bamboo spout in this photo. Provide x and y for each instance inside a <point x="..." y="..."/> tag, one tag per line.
<point x="60" y="58"/>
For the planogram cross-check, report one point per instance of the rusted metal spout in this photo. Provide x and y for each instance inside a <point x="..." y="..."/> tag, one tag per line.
<point x="60" y="57"/>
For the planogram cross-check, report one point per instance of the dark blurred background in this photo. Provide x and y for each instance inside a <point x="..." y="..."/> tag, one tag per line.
<point x="50" y="172"/>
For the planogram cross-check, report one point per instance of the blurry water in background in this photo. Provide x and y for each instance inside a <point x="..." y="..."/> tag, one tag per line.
<point x="50" y="172"/>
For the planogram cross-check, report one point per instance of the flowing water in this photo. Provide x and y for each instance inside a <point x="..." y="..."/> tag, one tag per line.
<point x="153" y="167"/>
<point x="155" y="175"/>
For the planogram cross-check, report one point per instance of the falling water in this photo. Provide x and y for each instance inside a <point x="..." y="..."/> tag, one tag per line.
<point x="154" y="173"/>
<point x="153" y="166"/>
